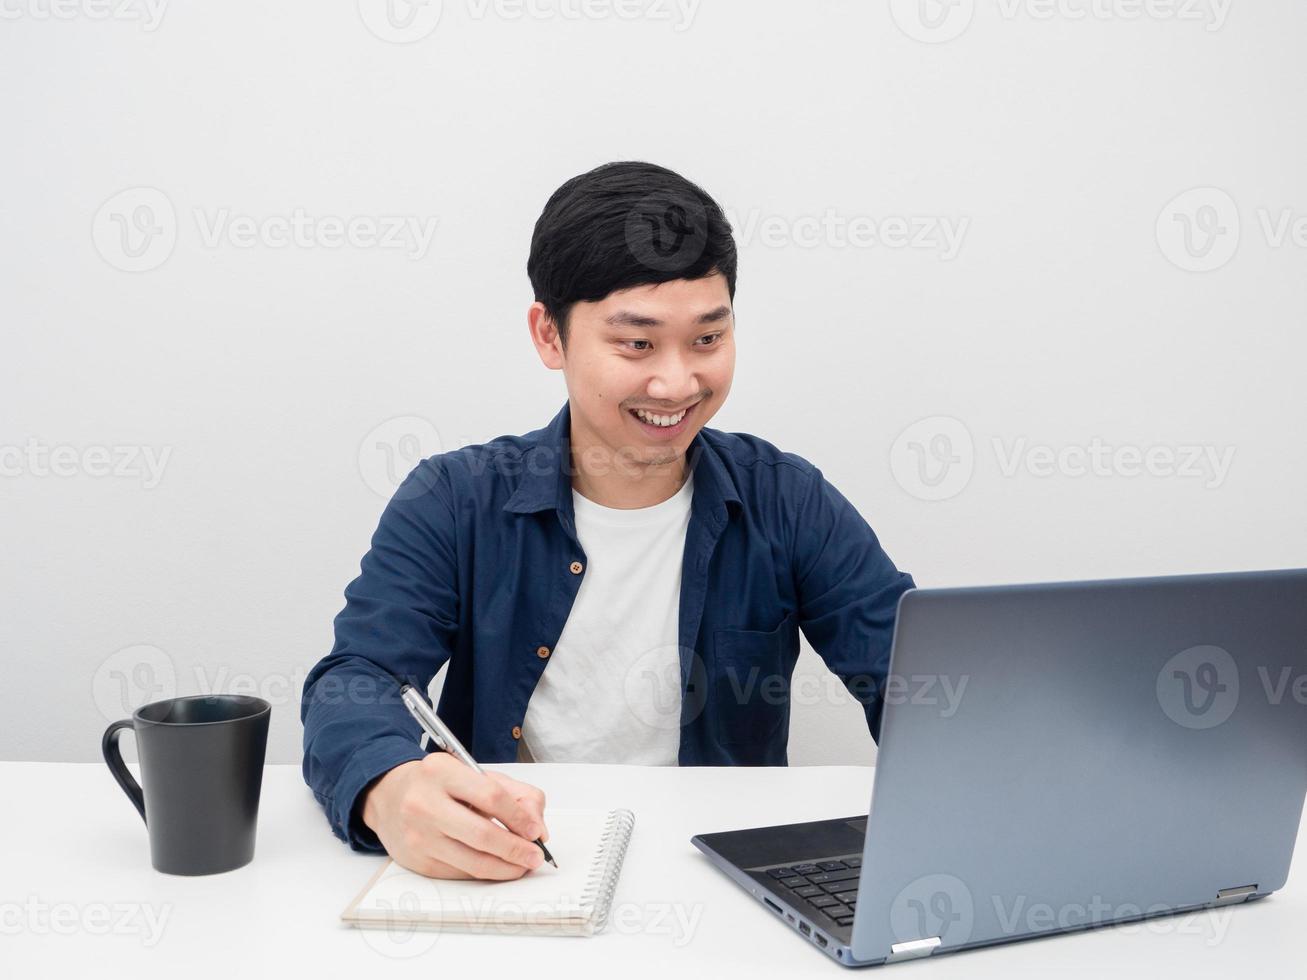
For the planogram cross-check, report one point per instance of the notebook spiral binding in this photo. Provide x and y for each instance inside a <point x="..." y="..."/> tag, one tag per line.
<point x="602" y="879"/>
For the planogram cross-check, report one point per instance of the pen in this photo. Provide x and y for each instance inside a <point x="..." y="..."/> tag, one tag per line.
<point x="444" y="740"/>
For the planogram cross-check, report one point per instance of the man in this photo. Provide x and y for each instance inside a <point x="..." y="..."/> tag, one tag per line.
<point x="623" y="585"/>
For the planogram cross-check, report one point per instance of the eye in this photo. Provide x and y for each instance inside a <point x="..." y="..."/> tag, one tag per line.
<point x="712" y="338"/>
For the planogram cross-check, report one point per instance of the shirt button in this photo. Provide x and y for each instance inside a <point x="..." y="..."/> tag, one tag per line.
<point x="517" y="731"/>
<point x="576" y="567"/>
<point x="542" y="652"/>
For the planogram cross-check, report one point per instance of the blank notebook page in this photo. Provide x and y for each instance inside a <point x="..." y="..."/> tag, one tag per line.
<point x="575" y="839"/>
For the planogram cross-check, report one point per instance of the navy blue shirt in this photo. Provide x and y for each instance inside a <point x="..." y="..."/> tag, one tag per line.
<point x="475" y="565"/>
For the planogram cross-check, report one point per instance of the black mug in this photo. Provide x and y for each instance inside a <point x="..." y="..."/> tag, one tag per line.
<point x="202" y="766"/>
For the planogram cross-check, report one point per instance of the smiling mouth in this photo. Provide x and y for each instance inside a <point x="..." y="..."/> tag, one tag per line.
<point x="663" y="422"/>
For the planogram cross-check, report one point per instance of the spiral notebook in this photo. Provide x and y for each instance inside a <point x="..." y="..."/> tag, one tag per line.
<point x="572" y="899"/>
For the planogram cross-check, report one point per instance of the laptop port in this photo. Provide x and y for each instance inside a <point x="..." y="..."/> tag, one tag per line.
<point x="773" y="906"/>
<point x="821" y="941"/>
<point x="805" y="928"/>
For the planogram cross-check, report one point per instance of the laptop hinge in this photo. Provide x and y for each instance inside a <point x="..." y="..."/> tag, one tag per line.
<point x="912" y="950"/>
<point x="1231" y="896"/>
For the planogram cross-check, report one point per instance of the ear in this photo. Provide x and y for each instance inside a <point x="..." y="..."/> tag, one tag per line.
<point x="544" y="334"/>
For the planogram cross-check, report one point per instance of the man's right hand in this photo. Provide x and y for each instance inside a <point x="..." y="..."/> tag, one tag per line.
<point x="432" y="815"/>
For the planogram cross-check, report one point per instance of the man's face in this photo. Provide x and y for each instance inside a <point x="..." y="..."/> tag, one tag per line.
<point x="667" y="348"/>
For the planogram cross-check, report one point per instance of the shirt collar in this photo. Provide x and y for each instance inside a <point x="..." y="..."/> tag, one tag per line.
<point x="547" y="475"/>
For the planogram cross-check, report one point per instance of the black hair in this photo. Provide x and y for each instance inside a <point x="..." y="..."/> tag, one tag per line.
<point x="620" y="225"/>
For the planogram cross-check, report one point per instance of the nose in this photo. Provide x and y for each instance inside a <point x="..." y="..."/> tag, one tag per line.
<point x="674" y="381"/>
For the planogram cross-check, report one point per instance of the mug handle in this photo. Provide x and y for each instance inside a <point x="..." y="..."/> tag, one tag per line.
<point x="114" y="757"/>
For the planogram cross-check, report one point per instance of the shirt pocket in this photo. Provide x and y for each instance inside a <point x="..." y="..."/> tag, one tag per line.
<point x="751" y="686"/>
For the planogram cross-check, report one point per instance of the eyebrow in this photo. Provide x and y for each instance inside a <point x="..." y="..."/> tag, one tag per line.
<point x="625" y="318"/>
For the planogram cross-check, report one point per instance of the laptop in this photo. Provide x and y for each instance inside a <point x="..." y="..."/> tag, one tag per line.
<point x="1057" y="757"/>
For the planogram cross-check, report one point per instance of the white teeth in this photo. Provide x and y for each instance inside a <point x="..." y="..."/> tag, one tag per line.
<point x="661" y="420"/>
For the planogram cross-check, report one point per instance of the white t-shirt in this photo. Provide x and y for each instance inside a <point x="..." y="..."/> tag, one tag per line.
<point x="611" y="689"/>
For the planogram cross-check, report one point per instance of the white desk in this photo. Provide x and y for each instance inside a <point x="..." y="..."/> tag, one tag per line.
<point x="76" y="886"/>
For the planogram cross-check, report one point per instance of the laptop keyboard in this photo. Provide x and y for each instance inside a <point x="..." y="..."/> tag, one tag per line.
<point x="830" y="887"/>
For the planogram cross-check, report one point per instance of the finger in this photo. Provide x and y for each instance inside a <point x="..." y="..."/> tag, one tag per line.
<point x="519" y="789"/>
<point x="479" y="833"/>
<point x="467" y="862"/>
<point x="432" y="867"/>
<point x="531" y="798"/>
<point x="544" y="835"/>
<point x="491" y="797"/>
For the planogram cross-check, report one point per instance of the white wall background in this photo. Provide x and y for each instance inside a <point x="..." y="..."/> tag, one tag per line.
<point x="1051" y="140"/>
